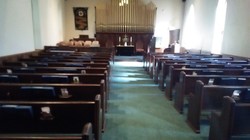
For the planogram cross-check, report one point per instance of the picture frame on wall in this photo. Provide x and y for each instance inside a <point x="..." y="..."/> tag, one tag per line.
<point x="81" y="18"/>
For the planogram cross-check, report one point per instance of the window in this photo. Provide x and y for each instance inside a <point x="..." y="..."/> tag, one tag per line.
<point x="219" y="25"/>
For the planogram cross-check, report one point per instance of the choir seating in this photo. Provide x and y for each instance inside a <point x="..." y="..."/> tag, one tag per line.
<point x="139" y="47"/>
<point x="232" y="121"/>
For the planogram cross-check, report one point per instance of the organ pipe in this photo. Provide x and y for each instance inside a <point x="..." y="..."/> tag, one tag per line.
<point x="132" y="17"/>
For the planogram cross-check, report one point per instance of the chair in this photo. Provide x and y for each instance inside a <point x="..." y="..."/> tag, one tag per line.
<point x="109" y="43"/>
<point x="87" y="43"/>
<point x="95" y="44"/>
<point x="139" y="47"/>
<point x="71" y="43"/>
<point x="79" y="43"/>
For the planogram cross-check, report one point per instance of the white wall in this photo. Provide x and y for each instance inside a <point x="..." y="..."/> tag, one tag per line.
<point x="51" y="14"/>
<point x="16" y="27"/>
<point x="202" y="34"/>
<point x="70" y="31"/>
<point x="27" y="25"/>
<point x="169" y="15"/>
<point x="237" y="26"/>
<point x="237" y="29"/>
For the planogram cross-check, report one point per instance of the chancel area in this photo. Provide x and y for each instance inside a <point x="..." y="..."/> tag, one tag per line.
<point x="124" y="69"/>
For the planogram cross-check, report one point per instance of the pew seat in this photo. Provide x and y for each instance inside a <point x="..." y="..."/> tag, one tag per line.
<point x="20" y="119"/>
<point x="54" y="92"/>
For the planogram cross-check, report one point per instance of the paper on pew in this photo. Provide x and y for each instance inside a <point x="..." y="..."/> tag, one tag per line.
<point x="45" y="109"/>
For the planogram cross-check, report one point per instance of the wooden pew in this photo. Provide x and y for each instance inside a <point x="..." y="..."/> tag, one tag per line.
<point x="158" y="66"/>
<point x="155" y="58"/>
<point x="57" y="67"/>
<point x="18" y="69"/>
<point x="55" y="64"/>
<point x="174" y="75"/>
<point x="81" y="60"/>
<point x="147" y="60"/>
<point x="54" y="92"/>
<point x="166" y="68"/>
<point x="160" y="62"/>
<point x="232" y="121"/>
<point x="186" y="84"/>
<point x="73" y="70"/>
<point x="151" y="61"/>
<point x="86" y="78"/>
<point x="207" y="98"/>
<point x="73" y="56"/>
<point x="50" y="120"/>
<point x="83" y="78"/>
<point x="79" y="49"/>
<point x="95" y="55"/>
<point x="162" y="75"/>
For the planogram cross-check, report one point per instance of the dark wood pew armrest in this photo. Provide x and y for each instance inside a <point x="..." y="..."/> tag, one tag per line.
<point x="194" y="107"/>
<point x="87" y="133"/>
<point x="220" y="125"/>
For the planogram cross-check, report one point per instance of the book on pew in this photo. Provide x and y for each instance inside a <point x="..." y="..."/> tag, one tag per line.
<point x="243" y="96"/>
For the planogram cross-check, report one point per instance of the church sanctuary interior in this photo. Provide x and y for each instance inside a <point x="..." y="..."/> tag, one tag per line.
<point x="124" y="70"/>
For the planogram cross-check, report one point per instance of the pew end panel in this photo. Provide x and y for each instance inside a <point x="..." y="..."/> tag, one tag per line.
<point x="231" y="122"/>
<point x="193" y="116"/>
<point x="208" y="98"/>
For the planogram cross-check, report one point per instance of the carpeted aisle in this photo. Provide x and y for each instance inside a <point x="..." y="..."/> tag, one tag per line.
<point x="138" y="110"/>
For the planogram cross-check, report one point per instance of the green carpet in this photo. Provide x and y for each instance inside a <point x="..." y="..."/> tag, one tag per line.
<point x="138" y="110"/>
